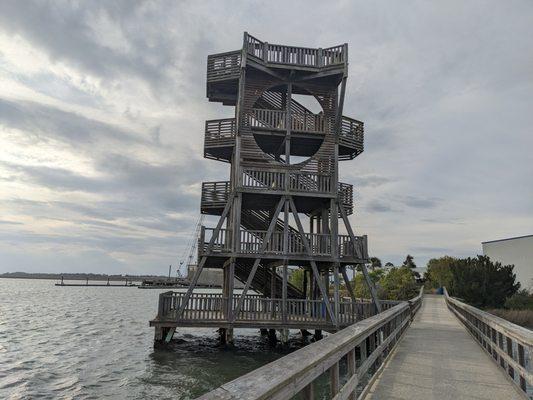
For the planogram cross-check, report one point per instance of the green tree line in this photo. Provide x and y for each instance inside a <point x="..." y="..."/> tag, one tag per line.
<point x="478" y="281"/>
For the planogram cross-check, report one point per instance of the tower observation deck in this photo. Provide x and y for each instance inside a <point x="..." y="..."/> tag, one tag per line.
<point x="282" y="207"/>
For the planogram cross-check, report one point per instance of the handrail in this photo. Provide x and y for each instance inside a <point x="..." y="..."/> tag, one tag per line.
<point x="223" y="66"/>
<point x="251" y="242"/>
<point x="373" y="338"/>
<point x="294" y="55"/>
<point x="262" y="118"/>
<point x="509" y="345"/>
<point x="213" y="306"/>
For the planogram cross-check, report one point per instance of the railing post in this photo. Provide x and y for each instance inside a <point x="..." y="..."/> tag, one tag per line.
<point x="160" y="305"/>
<point x="201" y="240"/>
<point x="320" y="58"/>
<point x="309" y="392"/>
<point x="265" y="52"/>
<point x="352" y="371"/>
<point x="334" y="379"/>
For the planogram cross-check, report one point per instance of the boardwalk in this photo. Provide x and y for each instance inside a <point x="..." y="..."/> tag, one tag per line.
<point x="438" y="359"/>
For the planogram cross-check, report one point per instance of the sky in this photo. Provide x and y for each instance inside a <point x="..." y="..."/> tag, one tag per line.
<point x="102" y="112"/>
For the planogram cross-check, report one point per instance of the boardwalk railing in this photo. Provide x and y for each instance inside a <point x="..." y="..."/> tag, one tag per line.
<point x="251" y="242"/>
<point x="359" y="349"/>
<point x="510" y="345"/>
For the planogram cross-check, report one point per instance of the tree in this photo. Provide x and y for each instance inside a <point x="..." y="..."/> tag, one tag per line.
<point x="521" y="300"/>
<point x="389" y="264"/>
<point x="409" y="261"/>
<point x="399" y="284"/>
<point x="360" y="286"/>
<point x="297" y="278"/>
<point x="481" y="282"/>
<point x="375" y="263"/>
<point x="439" y="272"/>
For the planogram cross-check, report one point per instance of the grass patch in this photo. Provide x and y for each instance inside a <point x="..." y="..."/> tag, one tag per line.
<point x="519" y="317"/>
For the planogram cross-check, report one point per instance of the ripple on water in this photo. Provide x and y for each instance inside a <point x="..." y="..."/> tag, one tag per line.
<point x="94" y="343"/>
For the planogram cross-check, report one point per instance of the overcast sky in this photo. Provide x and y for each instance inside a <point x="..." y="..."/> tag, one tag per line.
<point x="102" y="108"/>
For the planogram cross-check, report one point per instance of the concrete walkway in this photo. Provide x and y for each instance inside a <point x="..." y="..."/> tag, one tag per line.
<point x="438" y="359"/>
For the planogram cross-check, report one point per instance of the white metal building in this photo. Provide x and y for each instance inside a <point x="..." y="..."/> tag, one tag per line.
<point x="517" y="251"/>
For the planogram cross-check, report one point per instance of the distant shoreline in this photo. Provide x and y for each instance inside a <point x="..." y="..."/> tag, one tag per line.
<point x="78" y="276"/>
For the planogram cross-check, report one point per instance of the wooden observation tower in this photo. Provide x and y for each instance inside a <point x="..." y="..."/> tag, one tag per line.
<point x="281" y="207"/>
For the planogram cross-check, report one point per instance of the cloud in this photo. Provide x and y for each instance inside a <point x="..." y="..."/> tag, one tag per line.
<point x="103" y="104"/>
<point x="370" y="180"/>
<point x="417" y="202"/>
<point x="46" y="122"/>
<point x="379" y="206"/>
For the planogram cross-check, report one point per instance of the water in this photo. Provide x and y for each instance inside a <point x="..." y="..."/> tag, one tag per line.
<point x="94" y="343"/>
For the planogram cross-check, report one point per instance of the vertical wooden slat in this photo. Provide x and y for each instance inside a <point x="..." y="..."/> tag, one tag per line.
<point x="334" y="379"/>
<point x="351" y="371"/>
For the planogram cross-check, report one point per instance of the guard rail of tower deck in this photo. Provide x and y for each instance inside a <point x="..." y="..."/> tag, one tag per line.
<point x="251" y="242"/>
<point x="221" y="132"/>
<point x="509" y="345"/>
<point x="216" y="194"/>
<point x="362" y="347"/>
<point x="214" y="307"/>
<point x="223" y="66"/>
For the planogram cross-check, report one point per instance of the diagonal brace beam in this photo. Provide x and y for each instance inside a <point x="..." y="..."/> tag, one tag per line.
<point x="200" y="266"/>
<point x="258" y="260"/>
<point x="348" y="283"/>
<point x="369" y="282"/>
<point x="316" y="274"/>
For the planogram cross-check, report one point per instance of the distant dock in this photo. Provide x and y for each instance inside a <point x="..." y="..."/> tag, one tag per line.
<point x="126" y="283"/>
<point x="97" y="284"/>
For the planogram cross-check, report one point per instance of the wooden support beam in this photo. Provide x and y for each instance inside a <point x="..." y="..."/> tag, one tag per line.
<point x="348" y="284"/>
<point x="170" y="334"/>
<point x="305" y="291"/>
<point x="231" y="281"/>
<point x="314" y="267"/>
<point x="336" y="296"/>
<point x="284" y="310"/>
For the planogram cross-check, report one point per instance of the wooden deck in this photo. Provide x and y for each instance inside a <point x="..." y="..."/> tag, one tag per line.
<point x="438" y="359"/>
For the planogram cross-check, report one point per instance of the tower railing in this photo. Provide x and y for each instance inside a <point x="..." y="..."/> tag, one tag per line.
<point x="215" y="194"/>
<point x="212" y="307"/>
<point x="223" y="66"/>
<point x="300" y="122"/>
<point x="221" y="132"/>
<point x="295" y="56"/>
<point x="252" y="241"/>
